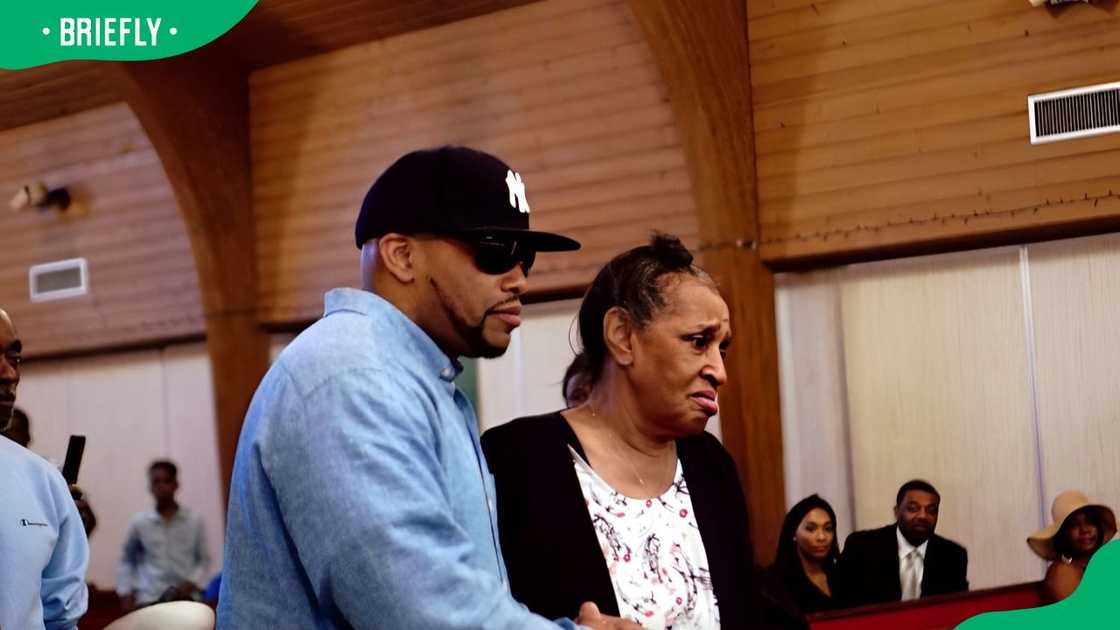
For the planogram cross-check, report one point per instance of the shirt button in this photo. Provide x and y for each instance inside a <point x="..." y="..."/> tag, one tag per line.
<point x="447" y="374"/>
<point x="490" y="504"/>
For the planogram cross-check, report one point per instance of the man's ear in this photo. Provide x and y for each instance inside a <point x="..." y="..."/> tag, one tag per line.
<point x="399" y="256"/>
<point x="618" y="329"/>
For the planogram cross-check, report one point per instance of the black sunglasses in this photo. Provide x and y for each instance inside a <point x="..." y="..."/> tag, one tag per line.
<point x="497" y="256"/>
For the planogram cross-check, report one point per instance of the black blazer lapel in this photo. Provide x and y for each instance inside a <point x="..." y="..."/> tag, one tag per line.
<point x="892" y="583"/>
<point x="584" y="540"/>
<point x="721" y="519"/>
<point x="931" y="572"/>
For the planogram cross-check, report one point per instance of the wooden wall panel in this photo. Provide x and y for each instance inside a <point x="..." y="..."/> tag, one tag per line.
<point x="276" y="31"/>
<point x="567" y="91"/>
<point x="142" y="275"/>
<point x="52" y="91"/>
<point x="904" y="124"/>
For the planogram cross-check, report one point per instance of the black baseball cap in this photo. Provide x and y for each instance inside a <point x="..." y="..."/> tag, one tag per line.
<point x="455" y="191"/>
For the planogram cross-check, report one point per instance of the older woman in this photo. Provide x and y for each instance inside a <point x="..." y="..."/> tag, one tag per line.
<point x="803" y="576"/>
<point x="1079" y="529"/>
<point x="624" y="500"/>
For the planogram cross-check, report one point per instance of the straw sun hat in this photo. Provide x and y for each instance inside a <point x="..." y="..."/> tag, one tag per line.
<point x="1065" y="504"/>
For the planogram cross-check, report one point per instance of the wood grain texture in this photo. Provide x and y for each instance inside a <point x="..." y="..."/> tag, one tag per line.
<point x="277" y="31"/>
<point x="124" y="222"/>
<point x="199" y="125"/>
<point x="274" y="32"/>
<point x="901" y="128"/>
<point x="53" y="91"/>
<point x="567" y="91"/>
<point x="701" y="49"/>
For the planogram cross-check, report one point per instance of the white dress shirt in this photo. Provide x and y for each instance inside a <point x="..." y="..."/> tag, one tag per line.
<point x="160" y="553"/>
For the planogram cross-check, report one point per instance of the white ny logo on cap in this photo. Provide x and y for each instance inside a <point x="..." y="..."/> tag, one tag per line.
<point x="517" y="192"/>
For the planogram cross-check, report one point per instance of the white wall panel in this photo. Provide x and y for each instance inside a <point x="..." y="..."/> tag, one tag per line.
<point x="937" y="376"/>
<point x="1075" y="286"/>
<point x="814" y="397"/>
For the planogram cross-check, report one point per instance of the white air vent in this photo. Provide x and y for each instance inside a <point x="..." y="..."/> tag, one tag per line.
<point x="1077" y="113"/>
<point x="57" y="280"/>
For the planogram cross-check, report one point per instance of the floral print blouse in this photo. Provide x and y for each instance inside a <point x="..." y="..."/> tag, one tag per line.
<point x="654" y="553"/>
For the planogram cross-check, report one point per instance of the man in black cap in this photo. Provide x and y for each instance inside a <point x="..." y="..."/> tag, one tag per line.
<point x="387" y="518"/>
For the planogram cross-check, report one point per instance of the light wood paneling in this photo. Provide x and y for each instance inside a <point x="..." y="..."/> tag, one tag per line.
<point x="142" y="280"/>
<point x="1075" y="287"/>
<point x="276" y="31"/>
<point x="565" y="91"/>
<point x="937" y="369"/>
<point x="52" y="91"/>
<point x="903" y="125"/>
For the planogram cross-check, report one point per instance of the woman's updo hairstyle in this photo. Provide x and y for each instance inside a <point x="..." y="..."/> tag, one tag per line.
<point x="632" y="281"/>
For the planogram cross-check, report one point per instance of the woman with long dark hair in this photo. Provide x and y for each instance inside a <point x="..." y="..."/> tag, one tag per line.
<point x="802" y="578"/>
<point x="623" y="499"/>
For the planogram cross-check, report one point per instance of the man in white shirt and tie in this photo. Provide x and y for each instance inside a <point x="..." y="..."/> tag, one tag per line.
<point x="905" y="560"/>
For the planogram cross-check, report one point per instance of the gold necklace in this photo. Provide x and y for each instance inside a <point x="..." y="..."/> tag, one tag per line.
<point x="618" y="449"/>
<point x="616" y="442"/>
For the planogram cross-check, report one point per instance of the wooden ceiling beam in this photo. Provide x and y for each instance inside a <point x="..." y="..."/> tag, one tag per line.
<point x="702" y="50"/>
<point x="195" y="110"/>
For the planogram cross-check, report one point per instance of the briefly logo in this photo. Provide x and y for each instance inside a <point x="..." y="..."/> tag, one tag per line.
<point x="38" y="33"/>
<point x="517" y="192"/>
<point x="111" y="31"/>
<point x="26" y="523"/>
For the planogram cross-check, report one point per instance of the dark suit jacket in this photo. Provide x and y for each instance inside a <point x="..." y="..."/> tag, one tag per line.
<point x="550" y="546"/>
<point x="868" y="572"/>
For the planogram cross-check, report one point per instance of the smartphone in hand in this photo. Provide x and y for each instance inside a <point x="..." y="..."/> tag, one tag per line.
<point x="74" y="451"/>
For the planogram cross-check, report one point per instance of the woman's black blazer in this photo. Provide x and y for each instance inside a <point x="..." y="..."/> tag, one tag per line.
<point x="550" y="547"/>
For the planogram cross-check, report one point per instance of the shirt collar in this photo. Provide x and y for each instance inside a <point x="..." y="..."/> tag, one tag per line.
<point x="386" y="315"/>
<point x="154" y="515"/>
<point x="904" y="546"/>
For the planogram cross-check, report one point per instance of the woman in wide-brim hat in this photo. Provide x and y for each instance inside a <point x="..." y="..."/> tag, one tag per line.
<point x="1079" y="529"/>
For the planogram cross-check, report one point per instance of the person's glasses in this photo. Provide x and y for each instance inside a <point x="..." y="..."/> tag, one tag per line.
<point x="496" y="256"/>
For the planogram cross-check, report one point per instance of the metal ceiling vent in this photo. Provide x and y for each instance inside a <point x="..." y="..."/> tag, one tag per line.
<point x="57" y="280"/>
<point x="1077" y="113"/>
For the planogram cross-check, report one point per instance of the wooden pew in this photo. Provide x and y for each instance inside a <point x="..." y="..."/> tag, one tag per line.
<point x="931" y="613"/>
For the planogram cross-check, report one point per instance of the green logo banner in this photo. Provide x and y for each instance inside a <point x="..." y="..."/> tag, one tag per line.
<point x="37" y="33"/>
<point x="1092" y="605"/>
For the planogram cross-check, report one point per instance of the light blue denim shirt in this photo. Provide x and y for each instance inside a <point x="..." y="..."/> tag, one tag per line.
<point x="360" y="496"/>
